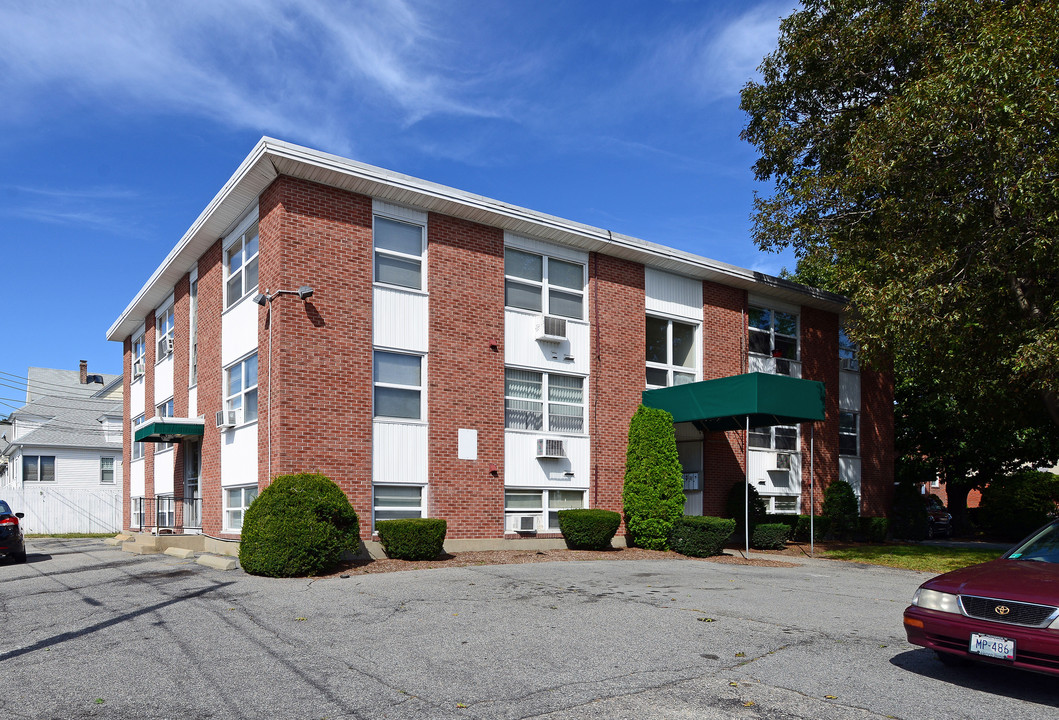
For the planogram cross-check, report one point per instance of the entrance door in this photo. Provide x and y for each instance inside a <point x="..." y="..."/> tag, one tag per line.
<point x="192" y="476"/>
<point x="690" y="454"/>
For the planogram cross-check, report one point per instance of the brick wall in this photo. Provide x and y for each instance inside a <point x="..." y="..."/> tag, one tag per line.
<point x="211" y="305"/>
<point x="321" y="351"/>
<point x="617" y="313"/>
<point x="877" y="442"/>
<point x="466" y="375"/>
<point x="819" y="349"/>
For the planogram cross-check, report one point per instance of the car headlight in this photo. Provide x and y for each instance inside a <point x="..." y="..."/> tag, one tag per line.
<point x="934" y="600"/>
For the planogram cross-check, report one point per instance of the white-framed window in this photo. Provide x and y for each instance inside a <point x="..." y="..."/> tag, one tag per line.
<point x="236" y="502"/>
<point x="774" y="333"/>
<point x="671" y="352"/>
<point x="240" y="389"/>
<point x="776" y="437"/>
<point x="106" y="471"/>
<point x="848" y="433"/>
<point x="543" y="504"/>
<point x="139" y="350"/>
<point x="193" y="334"/>
<point x="164" y="334"/>
<point x="781" y="504"/>
<point x="542" y="401"/>
<point x="38" y="468"/>
<point x="397" y="502"/>
<point x="398" y="379"/>
<point x="164" y="409"/>
<point x="544" y="284"/>
<point x="240" y="263"/>
<point x="137" y="511"/>
<point x="848" y="352"/>
<point x="399" y="249"/>
<point x="137" y="447"/>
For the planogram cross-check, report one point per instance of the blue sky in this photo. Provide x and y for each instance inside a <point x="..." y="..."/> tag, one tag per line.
<point x="123" y="118"/>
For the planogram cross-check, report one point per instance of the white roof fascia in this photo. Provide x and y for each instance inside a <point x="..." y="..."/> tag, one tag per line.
<point x="271" y="158"/>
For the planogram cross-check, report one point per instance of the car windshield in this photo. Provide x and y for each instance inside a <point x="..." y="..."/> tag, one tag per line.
<point x="1044" y="546"/>
<point x="5" y="509"/>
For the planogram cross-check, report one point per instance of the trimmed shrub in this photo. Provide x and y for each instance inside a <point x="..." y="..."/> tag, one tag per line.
<point x="787" y="519"/>
<point x="653" y="493"/>
<point x="770" y="536"/>
<point x="910" y="520"/>
<point x="840" y="508"/>
<point x="412" y="538"/>
<point x="588" y="528"/>
<point x="735" y="506"/>
<point x="698" y="536"/>
<point x="874" y="529"/>
<point x="821" y="526"/>
<point x="1014" y="506"/>
<point x="299" y="525"/>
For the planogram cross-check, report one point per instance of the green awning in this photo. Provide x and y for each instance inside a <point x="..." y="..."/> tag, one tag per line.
<point x="727" y="403"/>
<point x="168" y="429"/>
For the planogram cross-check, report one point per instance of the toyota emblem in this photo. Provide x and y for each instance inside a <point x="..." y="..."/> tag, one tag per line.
<point x="1001" y="609"/>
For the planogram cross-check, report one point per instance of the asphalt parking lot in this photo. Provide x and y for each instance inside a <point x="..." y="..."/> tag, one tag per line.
<point x="92" y="632"/>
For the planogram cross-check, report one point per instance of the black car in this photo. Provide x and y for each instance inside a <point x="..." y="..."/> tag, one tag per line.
<point x="939" y="521"/>
<point x="12" y="543"/>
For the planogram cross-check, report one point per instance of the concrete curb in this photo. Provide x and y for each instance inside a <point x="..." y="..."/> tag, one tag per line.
<point x="218" y="562"/>
<point x="182" y="553"/>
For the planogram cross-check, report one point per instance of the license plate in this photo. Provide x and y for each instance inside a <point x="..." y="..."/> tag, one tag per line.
<point x="993" y="646"/>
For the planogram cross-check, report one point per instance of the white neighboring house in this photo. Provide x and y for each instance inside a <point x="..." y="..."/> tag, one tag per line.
<point x="63" y="456"/>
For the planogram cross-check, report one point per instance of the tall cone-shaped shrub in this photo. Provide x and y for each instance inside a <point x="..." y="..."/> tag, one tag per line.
<point x="653" y="495"/>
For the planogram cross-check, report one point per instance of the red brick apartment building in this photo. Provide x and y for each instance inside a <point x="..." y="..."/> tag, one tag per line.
<point x="442" y="354"/>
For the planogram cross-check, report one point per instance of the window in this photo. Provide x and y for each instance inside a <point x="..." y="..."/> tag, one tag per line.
<point x="241" y="389"/>
<point x="38" y="468"/>
<point x="545" y="504"/>
<point x="106" y="471"/>
<point x="139" y="347"/>
<point x="848" y="433"/>
<point x="397" y="502"/>
<point x="240" y="261"/>
<point x="193" y="339"/>
<point x="164" y="323"/>
<point x="777" y="437"/>
<point x="164" y="410"/>
<point x="137" y="447"/>
<point x="136" y="512"/>
<point x="525" y="407"/>
<point x="398" y="253"/>
<point x="847" y="352"/>
<point x="544" y="284"/>
<point x="782" y="504"/>
<point x="398" y="385"/>
<point x="774" y="333"/>
<point x="671" y="355"/>
<point x="236" y="501"/>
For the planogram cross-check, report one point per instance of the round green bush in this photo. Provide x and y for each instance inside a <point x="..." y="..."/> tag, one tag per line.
<point x="588" y="528"/>
<point x="653" y="493"/>
<point x="299" y="525"/>
<point x="841" y="509"/>
<point x="770" y="536"/>
<point x="412" y="538"/>
<point x="700" y="536"/>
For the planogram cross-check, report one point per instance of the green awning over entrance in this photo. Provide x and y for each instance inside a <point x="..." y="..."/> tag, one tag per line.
<point x="726" y="403"/>
<point x="169" y="429"/>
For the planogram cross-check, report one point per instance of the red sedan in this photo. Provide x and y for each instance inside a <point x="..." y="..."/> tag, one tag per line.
<point x="1004" y="612"/>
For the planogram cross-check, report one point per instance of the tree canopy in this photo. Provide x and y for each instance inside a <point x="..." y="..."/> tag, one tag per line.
<point x="912" y="149"/>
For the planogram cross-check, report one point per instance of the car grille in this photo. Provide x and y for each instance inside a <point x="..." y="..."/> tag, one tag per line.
<point x="1016" y="613"/>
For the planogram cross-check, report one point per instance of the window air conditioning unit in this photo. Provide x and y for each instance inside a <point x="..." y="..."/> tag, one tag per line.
<point x="524" y="523"/>
<point x="783" y="461"/>
<point x="169" y="345"/>
<point x="550" y="448"/>
<point x="137" y="368"/>
<point x="226" y="418"/>
<point x="550" y="329"/>
<point x="849" y="364"/>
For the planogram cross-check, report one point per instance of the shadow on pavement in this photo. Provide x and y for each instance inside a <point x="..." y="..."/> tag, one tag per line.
<point x="993" y="679"/>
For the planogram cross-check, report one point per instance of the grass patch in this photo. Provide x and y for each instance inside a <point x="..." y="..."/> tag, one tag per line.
<point x="70" y="536"/>
<point x="924" y="558"/>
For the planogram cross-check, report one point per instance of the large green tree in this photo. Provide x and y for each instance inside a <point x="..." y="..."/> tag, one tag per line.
<point x="912" y="149"/>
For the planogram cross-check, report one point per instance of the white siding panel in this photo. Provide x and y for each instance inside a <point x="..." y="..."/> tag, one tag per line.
<point x="401" y="319"/>
<point x="673" y="294"/>
<point x="137" y="481"/>
<point x="849" y="391"/>
<point x="74" y="468"/>
<point x="163" y="471"/>
<point x="238" y="331"/>
<point x="520" y="348"/>
<point x="163" y="381"/>
<point x="545" y="248"/>
<point x="849" y="470"/>
<point x="523" y="469"/>
<point x="239" y="456"/>
<point x="399" y="453"/>
<point x="398" y="212"/>
<point x="193" y="401"/>
<point x="136" y="398"/>
<point x="768" y="480"/>
<point x="67" y="510"/>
